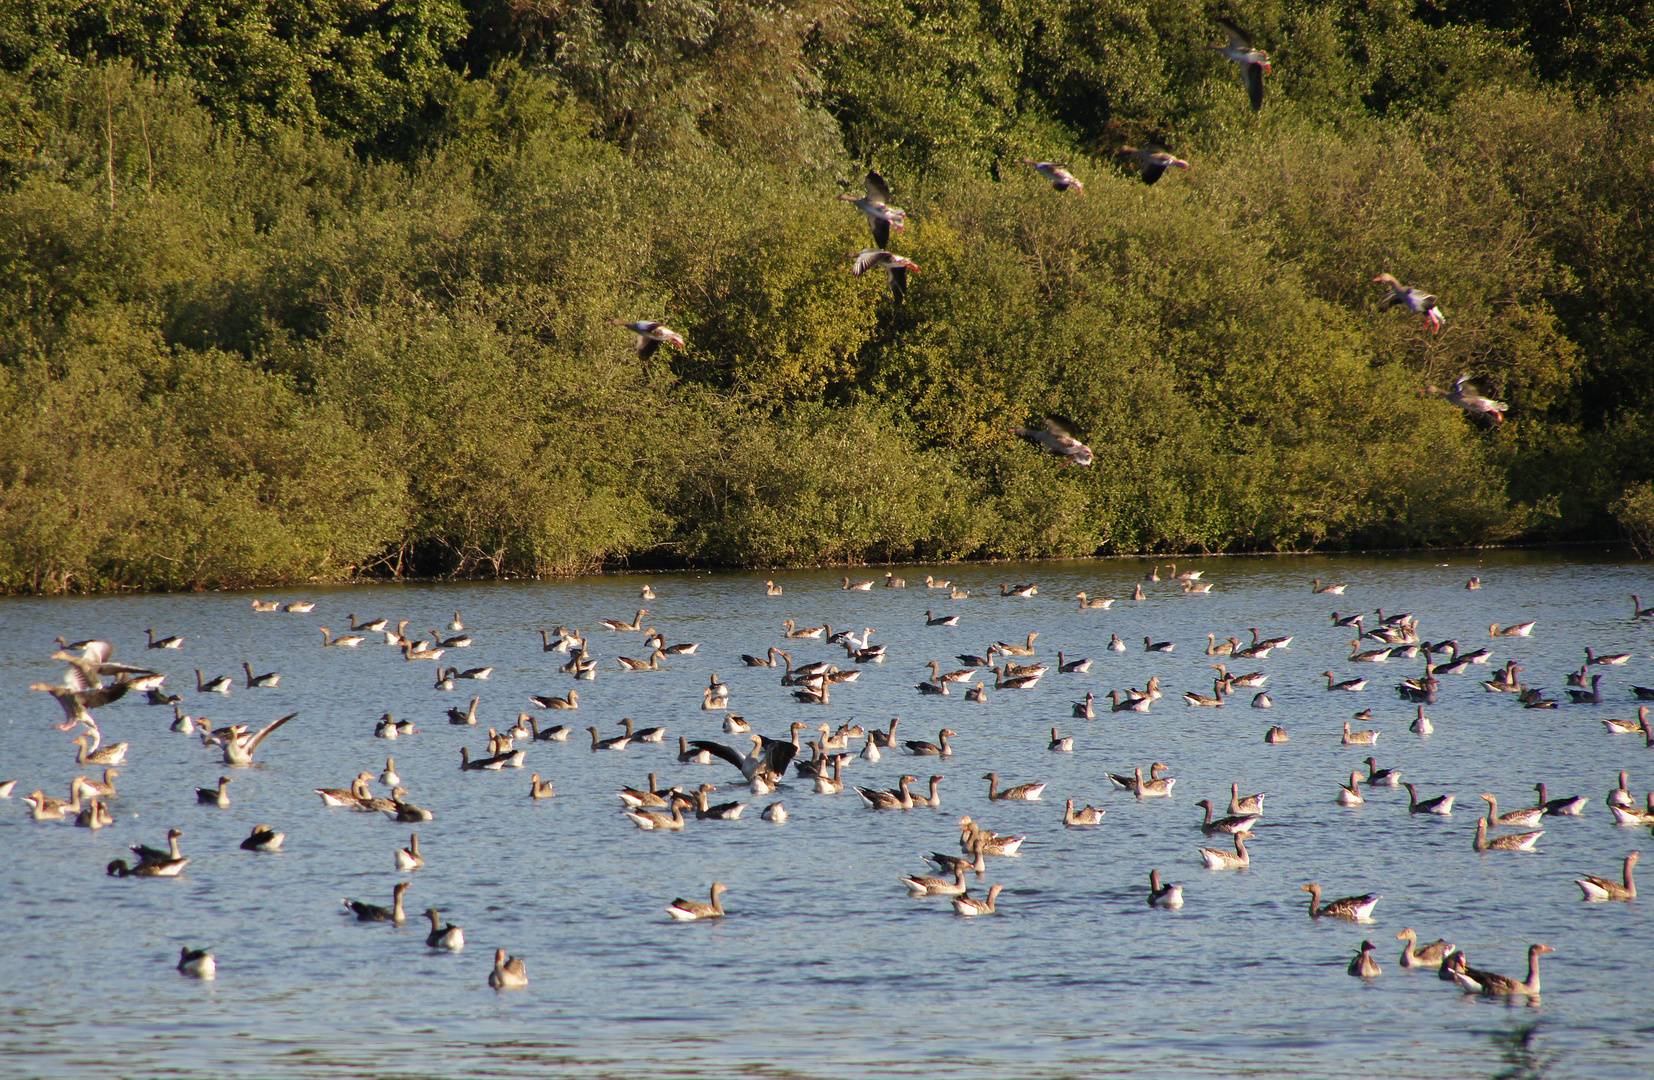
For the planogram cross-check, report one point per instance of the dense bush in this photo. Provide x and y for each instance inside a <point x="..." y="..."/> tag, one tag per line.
<point x="331" y="293"/>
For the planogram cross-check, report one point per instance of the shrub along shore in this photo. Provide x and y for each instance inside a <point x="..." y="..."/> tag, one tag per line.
<point x="277" y="309"/>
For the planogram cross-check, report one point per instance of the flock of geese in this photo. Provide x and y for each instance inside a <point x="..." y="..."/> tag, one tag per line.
<point x="94" y="680"/>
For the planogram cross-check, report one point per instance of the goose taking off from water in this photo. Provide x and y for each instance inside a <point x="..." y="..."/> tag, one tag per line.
<point x="1056" y="173"/>
<point x="1152" y="160"/>
<point x="1469" y="397"/>
<point x="1253" y="63"/>
<point x="649" y="337"/>
<point x="1417" y="301"/>
<point x="895" y="266"/>
<point x="1059" y="438"/>
<point x="876" y="204"/>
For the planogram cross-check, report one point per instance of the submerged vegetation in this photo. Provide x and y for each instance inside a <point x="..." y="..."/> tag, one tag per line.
<point x="305" y="290"/>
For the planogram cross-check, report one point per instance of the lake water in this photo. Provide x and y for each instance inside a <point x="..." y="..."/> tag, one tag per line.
<point x="824" y="966"/>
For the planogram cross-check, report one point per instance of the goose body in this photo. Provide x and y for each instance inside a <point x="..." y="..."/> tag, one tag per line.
<point x="263" y="838"/>
<point x="1441" y="805"/>
<point x="1414" y="955"/>
<point x="1088" y="815"/>
<point x="197" y="963"/>
<point x="1489" y="984"/>
<point x="1163" y="896"/>
<point x="509" y="972"/>
<point x="1365" y="965"/>
<point x="1595" y="888"/>
<point x="692" y="910"/>
<point x="449" y="938"/>
<point x="967" y="905"/>
<point x="1216" y="859"/>
<point x="1511" y="842"/>
<point x="1351" y="908"/>
<point x="1019" y="793"/>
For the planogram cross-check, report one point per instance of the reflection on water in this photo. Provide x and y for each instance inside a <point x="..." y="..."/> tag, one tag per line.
<point x="824" y="967"/>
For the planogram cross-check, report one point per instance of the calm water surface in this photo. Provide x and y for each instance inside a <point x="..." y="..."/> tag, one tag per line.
<point x="825" y="967"/>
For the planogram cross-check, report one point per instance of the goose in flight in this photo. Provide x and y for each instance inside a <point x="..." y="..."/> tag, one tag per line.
<point x="1059" y="438"/>
<point x="649" y="337"/>
<point x="876" y="204"/>
<point x="1417" y="301"/>
<point x="1153" y="160"/>
<point x="1253" y="63"/>
<point x="1466" y="394"/>
<point x="1055" y="172"/>
<point x="894" y="265"/>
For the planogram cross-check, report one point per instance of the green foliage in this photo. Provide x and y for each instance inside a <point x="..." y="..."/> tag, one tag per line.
<point x="305" y="289"/>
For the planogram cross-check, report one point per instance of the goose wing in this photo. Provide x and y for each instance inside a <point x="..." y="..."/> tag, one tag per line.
<point x="878" y="189"/>
<point x="719" y="750"/>
<point x="252" y="742"/>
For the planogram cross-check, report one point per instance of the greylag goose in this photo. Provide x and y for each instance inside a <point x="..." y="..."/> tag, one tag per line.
<point x="1522" y="819"/>
<point x="540" y="789"/>
<point x="1512" y="842"/>
<point x="106" y="755"/>
<point x="896" y="267"/>
<point x="1468" y="396"/>
<point x="407" y="811"/>
<point x="1094" y="603"/>
<point x="215" y="796"/>
<point x="572" y="701"/>
<point x="650" y="335"/>
<point x="877" y="205"/>
<point x="1377" y="777"/>
<point x="1055" y="173"/>
<point x="1019" y="793"/>
<point x="899" y="799"/>
<point x="263" y="838"/>
<point x="219" y="685"/>
<point x="1358" y="738"/>
<point x="1365" y="965"/>
<point x="1216" y="859"/>
<point x="1333" y="590"/>
<point x="1163" y="896"/>
<point x="197" y="963"/>
<point x="1085" y="710"/>
<point x="620" y="624"/>
<point x="1352" y="908"/>
<point x="1237" y="823"/>
<point x="1417" y="301"/>
<point x="690" y="910"/>
<point x="449" y="937"/>
<point x="509" y="972"/>
<point x="1350" y="794"/>
<point x="940" y="748"/>
<point x="1351" y="685"/>
<point x="775" y="812"/>
<point x="410" y="858"/>
<point x="1088" y="815"/>
<point x="772" y="589"/>
<point x="1060" y="438"/>
<point x="704" y="811"/>
<point x="1245" y="804"/>
<point x="932" y="886"/>
<point x="1441" y="805"/>
<point x="173" y="642"/>
<point x="966" y="905"/>
<point x="1060" y="744"/>
<point x="266" y="681"/>
<point x="1571" y="806"/>
<point x="349" y="641"/>
<point x="1595" y="888"/>
<point x="1615" y="659"/>
<point x="1153" y="160"/>
<point x="1253" y="63"/>
<point x="1414" y="955"/>
<point x="240" y="746"/>
<point x="1489" y="984"/>
<point x="654" y="820"/>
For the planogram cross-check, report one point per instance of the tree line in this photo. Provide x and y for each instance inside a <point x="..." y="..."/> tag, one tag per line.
<point x="322" y="288"/>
